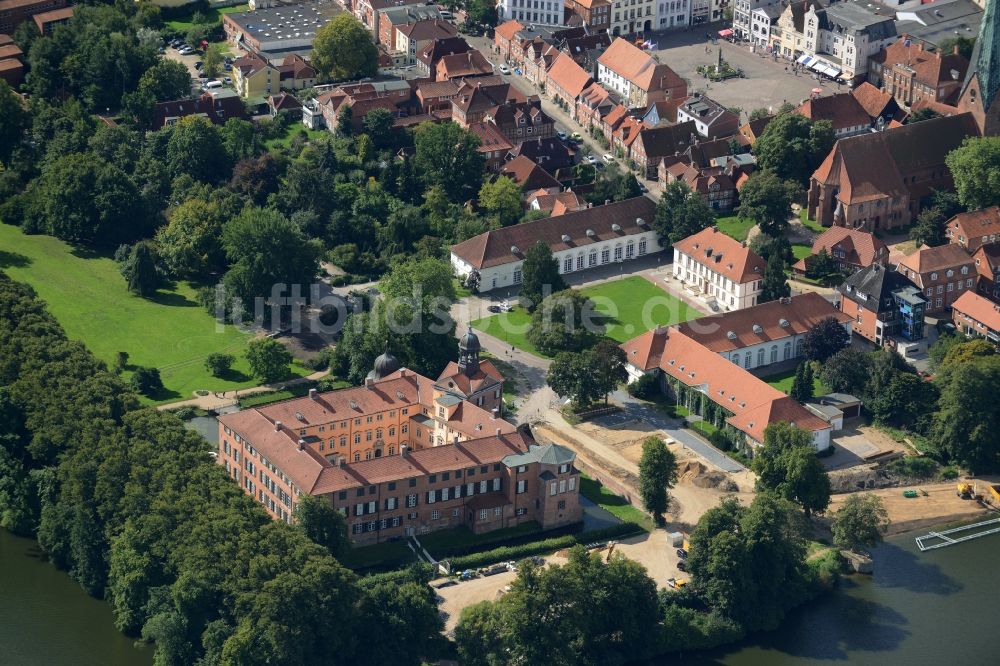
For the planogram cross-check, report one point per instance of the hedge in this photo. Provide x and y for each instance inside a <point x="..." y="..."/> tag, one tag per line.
<point x="412" y="572"/>
<point x="507" y="553"/>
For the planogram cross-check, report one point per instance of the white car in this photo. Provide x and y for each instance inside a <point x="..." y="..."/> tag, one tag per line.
<point x="186" y="51"/>
<point x="504" y="69"/>
<point x="590" y="159"/>
<point x="608" y="158"/>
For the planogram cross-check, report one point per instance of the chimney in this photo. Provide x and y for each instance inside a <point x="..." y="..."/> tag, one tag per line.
<point x="369" y="383"/>
<point x="341" y="462"/>
<point x="277" y="426"/>
<point x="456" y="438"/>
<point x="402" y="451"/>
<point x="496" y="412"/>
<point x="313" y="394"/>
<point x="302" y="444"/>
<point x="498" y="432"/>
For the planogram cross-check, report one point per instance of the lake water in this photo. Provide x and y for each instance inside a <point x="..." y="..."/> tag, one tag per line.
<point x="937" y="607"/>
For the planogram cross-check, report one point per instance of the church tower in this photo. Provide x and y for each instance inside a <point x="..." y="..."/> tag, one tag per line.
<point x="982" y="82"/>
<point x="468" y="354"/>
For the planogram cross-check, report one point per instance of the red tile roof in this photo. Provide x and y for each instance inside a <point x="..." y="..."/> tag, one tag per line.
<point x="871" y="99"/>
<point x="981" y="309"/>
<point x="723" y="255"/>
<point x="843" y="110"/>
<point x="509" y="29"/>
<point x="934" y="259"/>
<point x="569" y="76"/>
<point x="860" y="247"/>
<point x="767" y="322"/>
<point x="930" y="68"/>
<point x="526" y="173"/>
<point x="974" y="225"/>
<point x="638" y="67"/>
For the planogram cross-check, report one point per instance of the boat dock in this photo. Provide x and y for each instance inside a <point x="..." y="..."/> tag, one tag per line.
<point x="950" y="537"/>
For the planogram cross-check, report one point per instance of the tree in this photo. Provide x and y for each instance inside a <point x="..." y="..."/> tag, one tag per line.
<point x="570" y="376"/>
<point x="786" y="463"/>
<point x="190" y="244"/>
<point x="481" y="12"/>
<point x="139" y="270"/>
<point x="846" y="371"/>
<point x="680" y="213"/>
<point x="268" y="359"/>
<point x="566" y="321"/>
<point x="14" y="120"/>
<point x="962" y="44"/>
<point x="792" y="146"/>
<point x="121" y="361"/>
<point x="257" y="178"/>
<point x="968" y="351"/>
<point x="906" y="401"/>
<point x="239" y="138"/>
<point x="822" y="266"/>
<point x="343" y="49"/>
<point x="166" y="80"/>
<point x="429" y="279"/>
<point x="613" y="184"/>
<point x="975" y="167"/>
<point x="219" y="364"/>
<point x="824" y="339"/>
<point x="802" y="388"/>
<point x="775" y="283"/>
<point x="920" y="115"/>
<point x="447" y="155"/>
<point x="657" y="474"/>
<point x="378" y="125"/>
<point x="540" y="276"/>
<point x="322" y="523"/>
<point x="966" y="426"/>
<point x="759" y="113"/>
<point x="929" y="228"/>
<point x="146" y="381"/>
<point x="345" y="120"/>
<point x="212" y="61"/>
<point x="608" y="366"/>
<point x="860" y="522"/>
<point x="195" y="148"/>
<point x="266" y="250"/>
<point x="501" y="199"/>
<point x="767" y="200"/>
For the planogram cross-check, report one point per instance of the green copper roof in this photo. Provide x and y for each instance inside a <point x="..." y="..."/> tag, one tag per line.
<point x="548" y="454"/>
<point x="986" y="55"/>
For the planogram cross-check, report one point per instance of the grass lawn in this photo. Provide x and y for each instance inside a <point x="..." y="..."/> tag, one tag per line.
<point x="801" y="251"/>
<point x="811" y="225"/>
<point x="635" y="305"/>
<point x="614" y="504"/>
<point x="783" y="382"/>
<point x="296" y="391"/>
<point x="87" y="295"/>
<point x="734" y="227"/>
<point x="461" y="539"/>
<point x="294" y="130"/>
<point x="185" y="22"/>
<point x="511" y="327"/>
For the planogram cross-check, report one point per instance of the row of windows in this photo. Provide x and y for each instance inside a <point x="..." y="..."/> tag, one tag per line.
<point x="762" y="354"/>
<point x="568" y="262"/>
<point x="951" y="287"/>
<point x="433" y="496"/>
<point x="562" y="486"/>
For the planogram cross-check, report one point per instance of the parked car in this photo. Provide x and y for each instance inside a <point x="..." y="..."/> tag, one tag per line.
<point x="576" y="137"/>
<point x="682" y="566"/>
<point x="681" y="553"/>
<point x="608" y="158"/>
<point x="590" y="159"/>
<point x="228" y="66"/>
<point x="504" y="69"/>
<point x="228" y="81"/>
<point x="562" y="135"/>
<point x="198" y="64"/>
<point x="493" y="308"/>
<point x="468" y="574"/>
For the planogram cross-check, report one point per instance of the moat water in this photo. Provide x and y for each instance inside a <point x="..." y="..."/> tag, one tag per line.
<point x="937" y="607"/>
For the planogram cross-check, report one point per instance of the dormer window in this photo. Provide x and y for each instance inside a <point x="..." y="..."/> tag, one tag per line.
<point x="965" y="270"/>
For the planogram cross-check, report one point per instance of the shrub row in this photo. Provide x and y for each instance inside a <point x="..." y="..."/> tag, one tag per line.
<point x="506" y="553"/>
<point x="420" y="571"/>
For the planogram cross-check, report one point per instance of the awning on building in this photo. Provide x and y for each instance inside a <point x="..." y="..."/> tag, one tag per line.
<point x="832" y="72"/>
<point x="726" y="33"/>
<point x="816" y="65"/>
<point x="804" y="60"/>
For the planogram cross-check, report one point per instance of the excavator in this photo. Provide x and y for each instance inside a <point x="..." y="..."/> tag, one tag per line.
<point x="965" y="490"/>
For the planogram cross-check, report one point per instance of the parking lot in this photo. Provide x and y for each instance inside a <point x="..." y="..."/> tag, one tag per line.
<point x="767" y="83"/>
<point x="189" y="61"/>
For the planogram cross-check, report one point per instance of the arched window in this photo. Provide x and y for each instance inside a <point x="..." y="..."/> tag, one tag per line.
<point x="579" y="262"/>
<point x="592" y="258"/>
<point x="788" y="350"/>
<point x="630" y="250"/>
<point x="760" y="356"/>
<point x="618" y="252"/>
<point x="774" y="353"/>
<point x="747" y="360"/>
<point x="798" y="347"/>
<point x="642" y="246"/>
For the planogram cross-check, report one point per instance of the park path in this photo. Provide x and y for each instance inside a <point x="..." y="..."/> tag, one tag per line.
<point x="216" y="400"/>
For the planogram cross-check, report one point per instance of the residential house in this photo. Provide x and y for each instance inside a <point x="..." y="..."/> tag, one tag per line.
<point x="369" y="12"/>
<point x="693" y="374"/>
<point x="909" y="71"/>
<point x="843" y="110"/>
<point x="636" y="76"/>
<point x="880" y="106"/>
<point x="718" y="268"/>
<point x="878" y="181"/>
<point x="493" y="145"/>
<point x="594" y="103"/>
<point x="672" y="14"/>
<point x="629" y="17"/>
<point x="742" y="19"/>
<point x="711" y="119"/>
<point x="488" y="98"/>
<point x="942" y="273"/>
<point x="663" y="112"/>
<point x="612" y="121"/>
<point x="414" y="38"/>
<point x="429" y="56"/>
<point x="765" y="334"/>
<point x="977" y="316"/>
<point x="580" y="240"/>
<point x="549" y="153"/>
<point x="217" y="106"/>
<point x="435" y="97"/>
<point x="852" y="249"/>
<point x="505" y="37"/>
<point x="886" y="307"/>
<point x="253" y="77"/>
<point x="393" y="18"/>
<point x="295" y="73"/>
<point x="762" y="19"/>
<point x="987" y="261"/>
<point x="529" y="176"/>
<point x="713" y="184"/>
<point x="556" y="204"/>
<point x="361" y="98"/>
<point x="752" y="129"/>
<point x="462" y="65"/>
<point x="974" y="229"/>
<point x="652" y="144"/>
<point x="565" y="82"/>
<point x="283" y="102"/>
<point x="594" y="14"/>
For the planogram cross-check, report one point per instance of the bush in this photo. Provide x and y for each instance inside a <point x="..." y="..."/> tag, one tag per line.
<point x="420" y="572"/>
<point x="646" y="387"/>
<point x="506" y="553"/>
<point x="949" y="473"/>
<point x="914" y="467"/>
<point x="219" y="364"/>
<point x="146" y="381"/>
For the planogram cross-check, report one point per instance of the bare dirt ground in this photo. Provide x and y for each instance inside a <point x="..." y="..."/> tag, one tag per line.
<point x="940" y="505"/>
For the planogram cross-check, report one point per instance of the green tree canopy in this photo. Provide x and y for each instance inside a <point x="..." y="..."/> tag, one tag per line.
<point x="657" y="474"/>
<point x="566" y="321"/>
<point x="775" y="283"/>
<point x="268" y="359"/>
<point x="846" y="371"/>
<point x="322" y="523"/>
<point x="860" y="522"/>
<point x="501" y="200"/>
<point x="343" y="49"/>
<point x="190" y="244"/>
<point x="680" y="213"/>
<point x="429" y="278"/>
<point x="767" y="200"/>
<point x="975" y="167"/>
<point x="540" y="276"/>
<point x="787" y="464"/>
<point x="140" y="269"/>
<point x="966" y="426"/>
<point x="824" y="339"/>
<point x="447" y="155"/>
<point x="792" y="146"/>
<point x="195" y="148"/>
